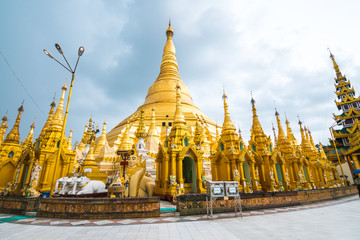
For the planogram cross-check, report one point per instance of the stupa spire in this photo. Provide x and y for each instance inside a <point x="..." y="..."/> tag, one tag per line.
<point x="58" y="117"/>
<point x="69" y="142"/>
<point x="152" y="129"/>
<point x="49" y="119"/>
<point x="290" y="134"/>
<point x="14" y="135"/>
<point x="336" y="67"/>
<point x="141" y="132"/>
<point x="102" y="141"/>
<point x="3" y="128"/>
<point x="126" y="142"/>
<point x="228" y="124"/>
<point x="163" y="89"/>
<point x="256" y="126"/>
<point x="179" y="118"/>
<point x="281" y="133"/>
<point x="30" y="138"/>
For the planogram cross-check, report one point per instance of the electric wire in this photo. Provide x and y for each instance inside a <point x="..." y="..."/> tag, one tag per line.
<point x="22" y="85"/>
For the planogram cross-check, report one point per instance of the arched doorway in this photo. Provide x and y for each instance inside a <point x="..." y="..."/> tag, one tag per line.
<point x="189" y="175"/>
<point x="306" y="176"/>
<point x="278" y="172"/>
<point x="247" y="174"/>
<point x="6" y="174"/>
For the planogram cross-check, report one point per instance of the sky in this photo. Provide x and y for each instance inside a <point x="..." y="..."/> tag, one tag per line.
<point x="278" y="50"/>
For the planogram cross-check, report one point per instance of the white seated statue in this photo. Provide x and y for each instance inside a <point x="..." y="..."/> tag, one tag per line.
<point x="86" y="186"/>
<point x="62" y="183"/>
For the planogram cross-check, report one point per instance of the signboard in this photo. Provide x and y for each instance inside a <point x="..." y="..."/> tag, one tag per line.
<point x="87" y="170"/>
<point x="124" y="163"/>
<point x="231" y="188"/>
<point x="217" y="190"/>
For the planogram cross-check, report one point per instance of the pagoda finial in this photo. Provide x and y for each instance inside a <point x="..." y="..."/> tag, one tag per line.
<point x="69" y="142"/>
<point x="3" y="128"/>
<point x="29" y="139"/>
<point x="178" y="117"/>
<point x="275" y="138"/>
<point x="228" y="124"/>
<point x="14" y="135"/>
<point x="140" y="132"/>
<point x="101" y="142"/>
<point x="336" y="67"/>
<point x="49" y="119"/>
<point x="281" y="133"/>
<point x="152" y="129"/>
<point x="290" y="134"/>
<point x="58" y="117"/>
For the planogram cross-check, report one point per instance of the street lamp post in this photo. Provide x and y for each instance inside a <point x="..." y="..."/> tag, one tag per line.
<point x="80" y="53"/>
<point x="337" y="154"/>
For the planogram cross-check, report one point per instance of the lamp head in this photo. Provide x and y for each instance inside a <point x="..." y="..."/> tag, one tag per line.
<point x="59" y="48"/>
<point x="81" y="51"/>
<point x="48" y="53"/>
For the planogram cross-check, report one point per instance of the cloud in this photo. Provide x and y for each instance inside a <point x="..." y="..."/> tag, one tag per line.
<point x="277" y="50"/>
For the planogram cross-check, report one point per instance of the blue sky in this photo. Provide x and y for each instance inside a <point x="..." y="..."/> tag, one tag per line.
<point x="277" y="50"/>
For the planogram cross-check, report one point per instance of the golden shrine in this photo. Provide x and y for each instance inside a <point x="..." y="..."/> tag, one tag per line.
<point x="170" y="136"/>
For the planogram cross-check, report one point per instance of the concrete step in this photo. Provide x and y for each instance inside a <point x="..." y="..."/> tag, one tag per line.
<point x="31" y="214"/>
<point x="169" y="214"/>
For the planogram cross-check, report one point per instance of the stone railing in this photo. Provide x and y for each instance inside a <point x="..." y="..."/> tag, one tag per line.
<point x="18" y="205"/>
<point x="192" y="204"/>
<point x="99" y="208"/>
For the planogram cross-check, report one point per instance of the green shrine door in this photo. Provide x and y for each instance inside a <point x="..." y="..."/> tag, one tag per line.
<point x="189" y="175"/>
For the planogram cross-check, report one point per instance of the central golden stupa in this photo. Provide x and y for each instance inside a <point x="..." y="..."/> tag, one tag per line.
<point x="160" y="103"/>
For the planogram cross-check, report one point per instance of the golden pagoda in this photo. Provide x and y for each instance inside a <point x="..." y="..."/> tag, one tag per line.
<point x="179" y="162"/>
<point x="10" y="151"/>
<point x="43" y="155"/>
<point x="161" y="97"/>
<point x="349" y="105"/>
<point x="232" y="160"/>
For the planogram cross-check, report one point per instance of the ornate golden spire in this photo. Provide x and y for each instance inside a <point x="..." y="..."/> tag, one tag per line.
<point x="311" y="141"/>
<point x="153" y="132"/>
<point x="126" y="142"/>
<point x="163" y="89"/>
<point x="305" y="145"/>
<point x="3" y="128"/>
<point x="102" y="141"/>
<point x="14" y="136"/>
<point x="239" y="132"/>
<point x="179" y="118"/>
<point x="198" y="135"/>
<point x="322" y="152"/>
<point x="283" y="142"/>
<point x="256" y="126"/>
<point x="290" y="134"/>
<point x="89" y="161"/>
<point x="257" y="134"/>
<point x="275" y="137"/>
<point x="49" y="119"/>
<point x="70" y="140"/>
<point x="336" y="67"/>
<point x="58" y="117"/>
<point x="306" y="133"/>
<point x="30" y="138"/>
<point x="281" y="134"/>
<point x="228" y="124"/>
<point x="141" y="132"/>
